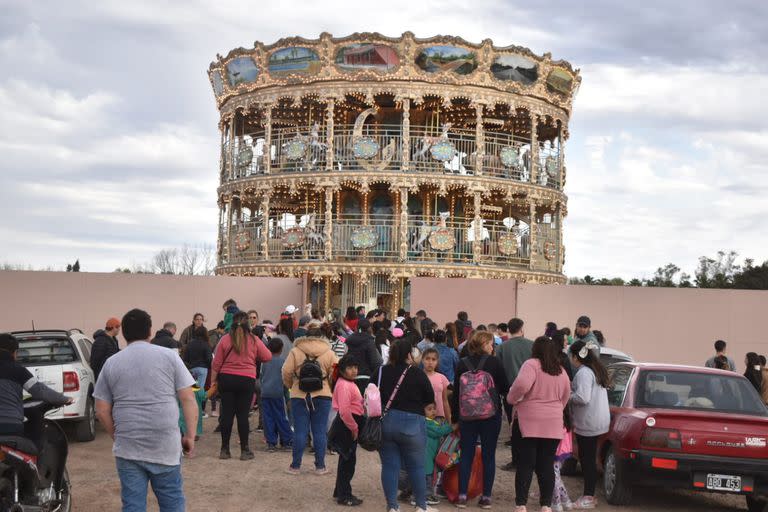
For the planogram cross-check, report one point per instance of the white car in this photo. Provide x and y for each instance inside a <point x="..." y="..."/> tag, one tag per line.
<point x="610" y="355"/>
<point x="59" y="359"/>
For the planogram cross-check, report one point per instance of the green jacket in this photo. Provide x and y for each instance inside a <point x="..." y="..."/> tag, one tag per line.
<point x="513" y="353"/>
<point x="436" y="431"/>
<point x="200" y="396"/>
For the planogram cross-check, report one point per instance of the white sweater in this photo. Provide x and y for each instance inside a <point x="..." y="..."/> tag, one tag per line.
<point x="590" y="413"/>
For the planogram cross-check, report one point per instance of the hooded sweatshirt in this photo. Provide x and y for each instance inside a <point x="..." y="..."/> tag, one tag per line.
<point x="318" y="348"/>
<point x="363" y="347"/>
<point x="590" y="412"/>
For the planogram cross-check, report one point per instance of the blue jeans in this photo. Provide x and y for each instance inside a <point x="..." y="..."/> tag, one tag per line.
<point x="305" y="418"/>
<point x="166" y="483"/>
<point x="276" y="422"/>
<point x="404" y="437"/>
<point x="199" y="374"/>
<point x="488" y="432"/>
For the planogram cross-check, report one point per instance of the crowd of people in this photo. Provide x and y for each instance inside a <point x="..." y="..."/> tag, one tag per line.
<point x="320" y="381"/>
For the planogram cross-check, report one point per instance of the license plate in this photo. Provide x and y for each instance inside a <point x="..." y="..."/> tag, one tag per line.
<point x="728" y="483"/>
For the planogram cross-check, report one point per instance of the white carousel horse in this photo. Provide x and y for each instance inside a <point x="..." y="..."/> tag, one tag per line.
<point x="456" y="164"/>
<point x="427" y="141"/>
<point x="315" y="239"/>
<point x="424" y="230"/>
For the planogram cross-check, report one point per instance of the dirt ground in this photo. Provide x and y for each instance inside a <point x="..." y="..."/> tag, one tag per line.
<point x="211" y="484"/>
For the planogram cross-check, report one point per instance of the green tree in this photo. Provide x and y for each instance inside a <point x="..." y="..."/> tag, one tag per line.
<point x="664" y="276"/>
<point x="752" y="277"/>
<point x="76" y="266"/>
<point x="717" y="272"/>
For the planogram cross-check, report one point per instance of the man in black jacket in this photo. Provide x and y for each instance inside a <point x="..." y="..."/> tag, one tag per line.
<point x="164" y="337"/>
<point x="104" y="346"/>
<point x="363" y="347"/>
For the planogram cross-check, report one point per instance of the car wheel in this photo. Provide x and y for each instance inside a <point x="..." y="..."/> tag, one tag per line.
<point x="85" y="430"/>
<point x="756" y="504"/>
<point x="615" y="481"/>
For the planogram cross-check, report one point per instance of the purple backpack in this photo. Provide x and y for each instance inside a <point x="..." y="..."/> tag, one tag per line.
<point x="478" y="397"/>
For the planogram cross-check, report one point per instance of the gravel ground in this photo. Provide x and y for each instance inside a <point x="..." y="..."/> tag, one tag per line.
<point x="211" y="484"/>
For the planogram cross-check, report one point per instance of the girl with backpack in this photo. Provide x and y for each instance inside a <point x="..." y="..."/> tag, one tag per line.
<point x="479" y="383"/>
<point x="539" y="395"/>
<point x="307" y="373"/>
<point x="590" y="413"/>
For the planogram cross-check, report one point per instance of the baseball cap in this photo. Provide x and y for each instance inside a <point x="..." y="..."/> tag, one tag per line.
<point x="112" y="323"/>
<point x="291" y="309"/>
<point x="584" y="320"/>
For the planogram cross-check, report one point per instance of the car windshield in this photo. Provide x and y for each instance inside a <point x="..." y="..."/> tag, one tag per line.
<point x="33" y="352"/>
<point x="699" y="391"/>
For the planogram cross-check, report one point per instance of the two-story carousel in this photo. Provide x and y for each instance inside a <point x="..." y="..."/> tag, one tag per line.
<point x="358" y="163"/>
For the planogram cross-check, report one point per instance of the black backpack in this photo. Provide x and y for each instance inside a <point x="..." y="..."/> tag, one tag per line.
<point x="310" y="375"/>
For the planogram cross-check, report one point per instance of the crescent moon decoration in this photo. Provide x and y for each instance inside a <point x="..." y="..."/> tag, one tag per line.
<point x="369" y="163"/>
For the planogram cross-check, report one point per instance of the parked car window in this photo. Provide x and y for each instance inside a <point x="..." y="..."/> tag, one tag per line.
<point x="608" y="359"/>
<point x="46" y="351"/>
<point x="619" y="379"/>
<point x="85" y="348"/>
<point x="699" y="391"/>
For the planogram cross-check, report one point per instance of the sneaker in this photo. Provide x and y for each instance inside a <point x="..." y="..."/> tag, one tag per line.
<point x="293" y="471"/>
<point x="205" y="416"/>
<point x="484" y="503"/>
<point x="286" y="448"/>
<point x="217" y="429"/>
<point x="246" y="454"/>
<point x="461" y="502"/>
<point x="509" y="466"/>
<point x="433" y="500"/>
<point x="568" y="505"/>
<point x="585" y="503"/>
<point x="508" y="442"/>
<point x="224" y="454"/>
<point x="214" y="414"/>
<point x="546" y="509"/>
<point x="271" y="448"/>
<point x="321" y="471"/>
<point x="259" y="429"/>
<point x="428" y="509"/>
<point x="352" y="501"/>
<point x="520" y="508"/>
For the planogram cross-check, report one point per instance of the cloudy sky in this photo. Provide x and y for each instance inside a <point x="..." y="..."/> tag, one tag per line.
<point x="108" y="139"/>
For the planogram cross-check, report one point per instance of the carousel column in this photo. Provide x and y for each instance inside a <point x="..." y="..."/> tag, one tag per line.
<point x="406" y="158"/>
<point x="534" y="148"/>
<point x="532" y="235"/>
<point x="223" y="238"/>
<point x="265" y="226"/>
<point x="329" y="134"/>
<point x="479" y="139"/>
<point x="477" y="243"/>
<point x="328" y="229"/>
<point x="559" y="217"/>
<point x="268" y="138"/>
<point x="232" y="154"/>
<point x="403" y="224"/>
<point x="560" y="156"/>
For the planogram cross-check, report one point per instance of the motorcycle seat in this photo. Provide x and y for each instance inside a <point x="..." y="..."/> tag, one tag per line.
<point x="19" y="443"/>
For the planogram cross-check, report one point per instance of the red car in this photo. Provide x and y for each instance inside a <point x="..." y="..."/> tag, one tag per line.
<point x="685" y="427"/>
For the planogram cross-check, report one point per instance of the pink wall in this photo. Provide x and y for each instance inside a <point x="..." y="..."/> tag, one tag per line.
<point x="85" y="300"/>
<point x="651" y="324"/>
<point x="485" y="301"/>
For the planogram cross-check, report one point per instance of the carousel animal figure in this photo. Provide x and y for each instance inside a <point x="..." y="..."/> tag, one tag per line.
<point x="456" y="164"/>
<point x="427" y="141"/>
<point x="315" y="239"/>
<point x="424" y="230"/>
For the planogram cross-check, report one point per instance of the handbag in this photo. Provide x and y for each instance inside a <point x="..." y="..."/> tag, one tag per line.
<point x="448" y="453"/>
<point x="213" y="390"/>
<point x="371" y="434"/>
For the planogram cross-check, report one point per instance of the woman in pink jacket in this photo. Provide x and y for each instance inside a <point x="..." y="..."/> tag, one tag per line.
<point x="234" y="371"/>
<point x="539" y="395"/>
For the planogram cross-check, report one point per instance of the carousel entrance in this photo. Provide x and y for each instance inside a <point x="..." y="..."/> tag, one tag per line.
<point x="377" y="293"/>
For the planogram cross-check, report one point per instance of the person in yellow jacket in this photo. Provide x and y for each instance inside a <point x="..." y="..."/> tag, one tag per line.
<point x="307" y="374"/>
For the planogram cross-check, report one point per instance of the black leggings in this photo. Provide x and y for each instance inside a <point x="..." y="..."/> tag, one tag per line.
<point x="588" y="460"/>
<point x="236" y="397"/>
<point x="536" y="454"/>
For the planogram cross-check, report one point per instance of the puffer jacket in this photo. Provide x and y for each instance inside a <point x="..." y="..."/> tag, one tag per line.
<point x="307" y="346"/>
<point x="363" y="347"/>
<point x="104" y="347"/>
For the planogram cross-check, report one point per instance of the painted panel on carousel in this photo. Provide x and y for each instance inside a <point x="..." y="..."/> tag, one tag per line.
<point x="437" y="59"/>
<point x="516" y="68"/>
<point x="295" y="59"/>
<point x="241" y="70"/>
<point x="367" y="56"/>
<point x="218" y="83"/>
<point x="559" y="80"/>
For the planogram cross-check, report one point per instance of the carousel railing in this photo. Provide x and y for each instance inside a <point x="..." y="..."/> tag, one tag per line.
<point x="366" y="238"/>
<point x="245" y="242"/>
<point x="374" y="147"/>
<point x="296" y="237"/>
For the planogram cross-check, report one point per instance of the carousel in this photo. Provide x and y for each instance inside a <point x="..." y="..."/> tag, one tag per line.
<point x="358" y="163"/>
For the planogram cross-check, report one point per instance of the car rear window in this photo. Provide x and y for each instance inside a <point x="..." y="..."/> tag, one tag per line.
<point x="699" y="391"/>
<point x="33" y="352"/>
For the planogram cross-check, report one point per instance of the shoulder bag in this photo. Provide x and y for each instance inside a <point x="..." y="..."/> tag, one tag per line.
<point x="370" y="437"/>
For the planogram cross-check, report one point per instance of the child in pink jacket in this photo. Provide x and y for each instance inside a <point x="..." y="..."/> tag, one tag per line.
<point x="348" y="402"/>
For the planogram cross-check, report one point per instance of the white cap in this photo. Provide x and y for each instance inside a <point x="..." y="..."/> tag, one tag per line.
<point x="291" y="309"/>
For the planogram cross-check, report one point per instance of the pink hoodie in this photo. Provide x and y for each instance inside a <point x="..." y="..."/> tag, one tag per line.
<point x="347" y="400"/>
<point x="226" y="360"/>
<point x="539" y="399"/>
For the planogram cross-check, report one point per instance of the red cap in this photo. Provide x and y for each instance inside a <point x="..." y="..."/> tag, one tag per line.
<point x="112" y="323"/>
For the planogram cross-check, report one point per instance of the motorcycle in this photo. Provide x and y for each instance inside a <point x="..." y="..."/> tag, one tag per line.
<point x="32" y="478"/>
